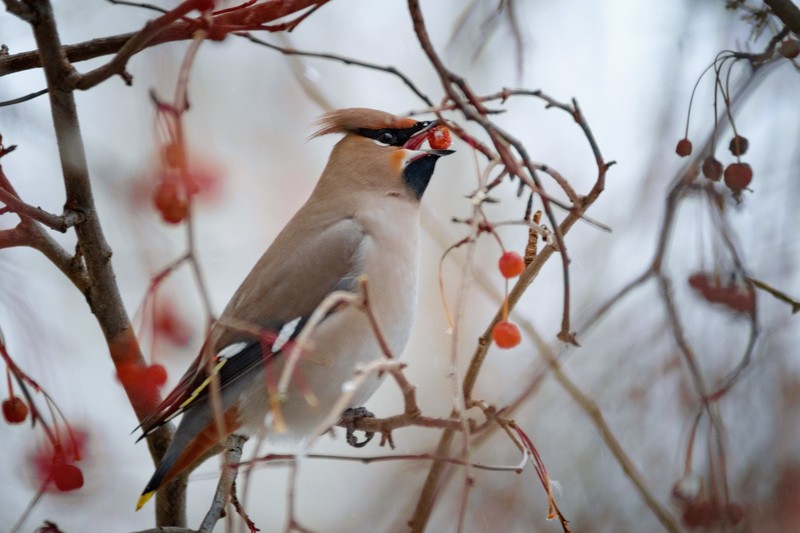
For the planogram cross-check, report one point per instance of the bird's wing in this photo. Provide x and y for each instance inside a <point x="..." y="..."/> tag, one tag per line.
<point x="278" y="296"/>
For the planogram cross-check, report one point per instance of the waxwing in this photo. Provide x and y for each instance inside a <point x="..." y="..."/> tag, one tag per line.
<point x="362" y="219"/>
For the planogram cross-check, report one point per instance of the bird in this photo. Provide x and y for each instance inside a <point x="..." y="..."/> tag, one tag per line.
<point x="360" y="221"/>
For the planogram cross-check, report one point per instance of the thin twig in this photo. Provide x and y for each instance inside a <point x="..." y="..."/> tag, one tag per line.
<point x="31" y="96"/>
<point x="343" y="59"/>
<point x="57" y="222"/>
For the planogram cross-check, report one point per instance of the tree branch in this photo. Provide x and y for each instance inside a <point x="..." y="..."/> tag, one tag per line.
<point x="129" y="44"/>
<point x="788" y="12"/>
<point x="102" y="293"/>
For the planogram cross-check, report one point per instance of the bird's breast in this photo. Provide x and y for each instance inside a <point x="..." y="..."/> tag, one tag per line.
<point x="391" y="257"/>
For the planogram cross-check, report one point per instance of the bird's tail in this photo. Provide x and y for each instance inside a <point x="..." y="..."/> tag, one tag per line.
<point x="185" y="449"/>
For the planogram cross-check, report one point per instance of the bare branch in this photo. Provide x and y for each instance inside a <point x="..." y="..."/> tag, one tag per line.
<point x="230" y="466"/>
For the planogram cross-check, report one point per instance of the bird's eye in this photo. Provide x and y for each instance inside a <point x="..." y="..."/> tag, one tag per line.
<point x="388" y="138"/>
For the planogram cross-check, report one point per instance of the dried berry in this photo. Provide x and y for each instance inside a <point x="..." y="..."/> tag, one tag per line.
<point x="735" y="513"/>
<point x="511" y="265"/>
<point x="684" y="147"/>
<point x="738" y="145"/>
<point x="14" y="410"/>
<point x="738" y="176"/>
<point x="790" y="48"/>
<point x="701" y="513"/>
<point x="506" y="334"/>
<point x="712" y="169"/>
<point x="736" y="296"/>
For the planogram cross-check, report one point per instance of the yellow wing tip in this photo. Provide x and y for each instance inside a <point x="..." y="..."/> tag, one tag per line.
<point x="144" y="498"/>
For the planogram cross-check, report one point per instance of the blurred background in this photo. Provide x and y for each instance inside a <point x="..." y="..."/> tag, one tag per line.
<point x="631" y="65"/>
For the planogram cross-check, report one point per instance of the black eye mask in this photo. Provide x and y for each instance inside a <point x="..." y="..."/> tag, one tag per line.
<point x="392" y="136"/>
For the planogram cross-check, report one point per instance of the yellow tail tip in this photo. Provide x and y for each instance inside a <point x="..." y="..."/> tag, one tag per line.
<point x="144" y="498"/>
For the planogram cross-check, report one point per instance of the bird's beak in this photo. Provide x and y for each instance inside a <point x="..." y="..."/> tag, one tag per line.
<point x="416" y="140"/>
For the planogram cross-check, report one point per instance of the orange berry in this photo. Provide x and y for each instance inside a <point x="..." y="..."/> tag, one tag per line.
<point x="511" y="265"/>
<point x="439" y="138"/>
<point x="506" y="334"/>
<point x="14" y="410"/>
<point x="173" y="155"/>
<point x="684" y="147"/>
<point x="174" y="208"/>
<point x="67" y="477"/>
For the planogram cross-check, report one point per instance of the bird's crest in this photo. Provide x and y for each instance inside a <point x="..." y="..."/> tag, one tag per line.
<point x="359" y="118"/>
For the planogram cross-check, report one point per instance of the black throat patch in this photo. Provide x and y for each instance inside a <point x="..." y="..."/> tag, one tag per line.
<point x="417" y="174"/>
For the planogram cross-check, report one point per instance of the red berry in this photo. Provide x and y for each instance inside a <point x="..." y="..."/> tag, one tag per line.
<point x="738" y="176"/>
<point x="511" y="265"/>
<point x="738" y="145"/>
<point x="14" y="410"/>
<point x="169" y="201"/>
<point x="506" y="334"/>
<point x="684" y="147"/>
<point x="53" y="461"/>
<point x="67" y="477"/>
<point x="790" y="48"/>
<point x="712" y="169"/>
<point x="439" y="138"/>
<point x="168" y="323"/>
<point x="157" y="374"/>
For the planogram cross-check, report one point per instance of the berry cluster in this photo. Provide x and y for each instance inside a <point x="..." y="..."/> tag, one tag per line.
<point x="53" y="460"/>
<point x="737" y="175"/>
